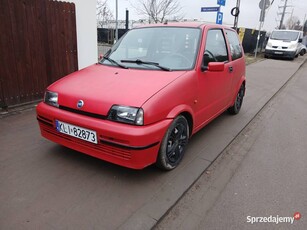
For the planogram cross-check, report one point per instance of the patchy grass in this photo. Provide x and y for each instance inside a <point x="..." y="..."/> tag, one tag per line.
<point x="250" y="58"/>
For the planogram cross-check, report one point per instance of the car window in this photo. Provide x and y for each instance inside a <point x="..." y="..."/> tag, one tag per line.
<point x="216" y="50"/>
<point x="134" y="46"/>
<point x="172" y="47"/>
<point x="284" y="35"/>
<point x="234" y="43"/>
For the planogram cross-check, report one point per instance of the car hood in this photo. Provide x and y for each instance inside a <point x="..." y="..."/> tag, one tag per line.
<point x="282" y="43"/>
<point x="101" y="86"/>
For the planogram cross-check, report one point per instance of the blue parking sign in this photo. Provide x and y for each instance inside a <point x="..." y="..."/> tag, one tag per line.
<point x="221" y="2"/>
<point x="219" y="18"/>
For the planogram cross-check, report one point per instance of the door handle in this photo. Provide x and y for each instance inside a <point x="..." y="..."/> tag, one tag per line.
<point x="230" y="69"/>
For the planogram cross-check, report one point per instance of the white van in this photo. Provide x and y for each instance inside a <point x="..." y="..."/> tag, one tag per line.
<point x="284" y="43"/>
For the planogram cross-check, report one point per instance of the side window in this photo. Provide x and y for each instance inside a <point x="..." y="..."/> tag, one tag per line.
<point x="234" y="43"/>
<point x="216" y="50"/>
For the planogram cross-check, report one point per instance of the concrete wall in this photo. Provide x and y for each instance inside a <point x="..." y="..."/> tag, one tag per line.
<point x="86" y="32"/>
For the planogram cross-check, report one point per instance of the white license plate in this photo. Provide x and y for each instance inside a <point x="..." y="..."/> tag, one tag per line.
<point x="277" y="52"/>
<point x="76" y="131"/>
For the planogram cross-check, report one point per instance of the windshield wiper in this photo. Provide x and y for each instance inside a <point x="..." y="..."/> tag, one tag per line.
<point x="138" y="61"/>
<point x="113" y="62"/>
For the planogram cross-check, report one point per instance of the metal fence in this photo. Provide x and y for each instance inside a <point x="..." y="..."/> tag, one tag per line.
<point x="38" y="46"/>
<point x="105" y="35"/>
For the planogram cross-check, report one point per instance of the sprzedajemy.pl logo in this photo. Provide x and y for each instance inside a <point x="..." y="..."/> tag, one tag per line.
<point x="273" y="219"/>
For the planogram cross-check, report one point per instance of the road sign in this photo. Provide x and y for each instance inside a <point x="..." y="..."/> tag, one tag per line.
<point x="266" y="4"/>
<point x="219" y="18"/>
<point x="221" y="2"/>
<point x="210" y="9"/>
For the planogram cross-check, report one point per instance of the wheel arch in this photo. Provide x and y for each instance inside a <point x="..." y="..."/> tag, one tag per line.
<point x="242" y="81"/>
<point x="185" y="111"/>
<point x="189" y="118"/>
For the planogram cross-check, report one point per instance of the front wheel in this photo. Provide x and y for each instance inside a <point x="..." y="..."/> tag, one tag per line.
<point x="235" y="109"/>
<point x="173" y="144"/>
<point x="302" y="52"/>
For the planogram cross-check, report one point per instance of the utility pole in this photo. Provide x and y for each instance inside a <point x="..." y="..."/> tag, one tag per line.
<point x="116" y="23"/>
<point x="283" y="15"/>
<point x="235" y="24"/>
<point x="263" y="7"/>
<point x="304" y="21"/>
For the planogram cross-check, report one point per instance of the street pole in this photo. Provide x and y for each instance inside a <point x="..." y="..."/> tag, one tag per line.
<point x="235" y="24"/>
<point x="283" y="15"/>
<point x="261" y="21"/>
<point x="116" y="23"/>
<point x="304" y="22"/>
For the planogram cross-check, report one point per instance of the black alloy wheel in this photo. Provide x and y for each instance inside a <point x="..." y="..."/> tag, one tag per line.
<point x="174" y="143"/>
<point x="235" y="109"/>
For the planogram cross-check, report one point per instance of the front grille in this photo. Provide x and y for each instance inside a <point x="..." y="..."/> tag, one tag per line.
<point x="94" y="115"/>
<point x="104" y="148"/>
<point x="284" y="47"/>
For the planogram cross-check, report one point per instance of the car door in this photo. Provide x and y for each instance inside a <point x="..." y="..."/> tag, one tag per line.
<point x="214" y="86"/>
<point x="237" y="61"/>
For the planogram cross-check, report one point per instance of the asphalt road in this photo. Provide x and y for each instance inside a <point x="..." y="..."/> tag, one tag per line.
<point x="46" y="186"/>
<point x="262" y="173"/>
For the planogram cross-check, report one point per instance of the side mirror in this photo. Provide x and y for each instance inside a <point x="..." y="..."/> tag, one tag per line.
<point x="300" y="40"/>
<point x="214" y="67"/>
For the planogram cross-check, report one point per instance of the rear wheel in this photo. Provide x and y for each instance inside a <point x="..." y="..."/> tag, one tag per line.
<point x="235" y="109"/>
<point x="173" y="144"/>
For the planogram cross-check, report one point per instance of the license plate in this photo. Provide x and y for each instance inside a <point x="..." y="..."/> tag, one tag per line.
<point x="76" y="131"/>
<point x="277" y="52"/>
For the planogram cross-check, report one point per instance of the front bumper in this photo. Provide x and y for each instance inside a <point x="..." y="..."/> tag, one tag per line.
<point x="126" y="145"/>
<point x="280" y="53"/>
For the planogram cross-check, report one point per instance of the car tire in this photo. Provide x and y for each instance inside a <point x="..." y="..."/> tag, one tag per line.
<point x="235" y="109"/>
<point x="173" y="144"/>
<point x="302" y="53"/>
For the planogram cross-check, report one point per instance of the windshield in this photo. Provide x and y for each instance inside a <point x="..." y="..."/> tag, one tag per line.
<point x="172" y="48"/>
<point x="284" y="35"/>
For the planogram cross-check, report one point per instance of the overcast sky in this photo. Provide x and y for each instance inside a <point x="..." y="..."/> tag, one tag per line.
<point x="249" y="16"/>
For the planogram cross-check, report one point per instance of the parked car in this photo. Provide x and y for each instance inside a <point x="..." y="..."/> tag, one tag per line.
<point x="142" y="102"/>
<point x="284" y="43"/>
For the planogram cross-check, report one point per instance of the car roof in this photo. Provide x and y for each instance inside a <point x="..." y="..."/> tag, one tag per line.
<point x="289" y="30"/>
<point x="184" y="24"/>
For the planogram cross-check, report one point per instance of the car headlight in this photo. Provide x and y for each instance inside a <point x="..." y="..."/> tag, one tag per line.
<point x="269" y="45"/>
<point x="51" y="98"/>
<point x="292" y="46"/>
<point x="126" y="114"/>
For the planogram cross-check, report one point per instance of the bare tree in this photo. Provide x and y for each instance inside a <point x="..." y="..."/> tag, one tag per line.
<point x="293" y="23"/>
<point x="103" y="13"/>
<point x="158" y="10"/>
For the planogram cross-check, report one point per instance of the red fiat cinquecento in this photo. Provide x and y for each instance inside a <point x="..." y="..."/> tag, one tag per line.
<point x="155" y="88"/>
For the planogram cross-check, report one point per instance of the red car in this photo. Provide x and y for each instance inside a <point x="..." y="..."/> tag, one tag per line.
<point x="155" y="88"/>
